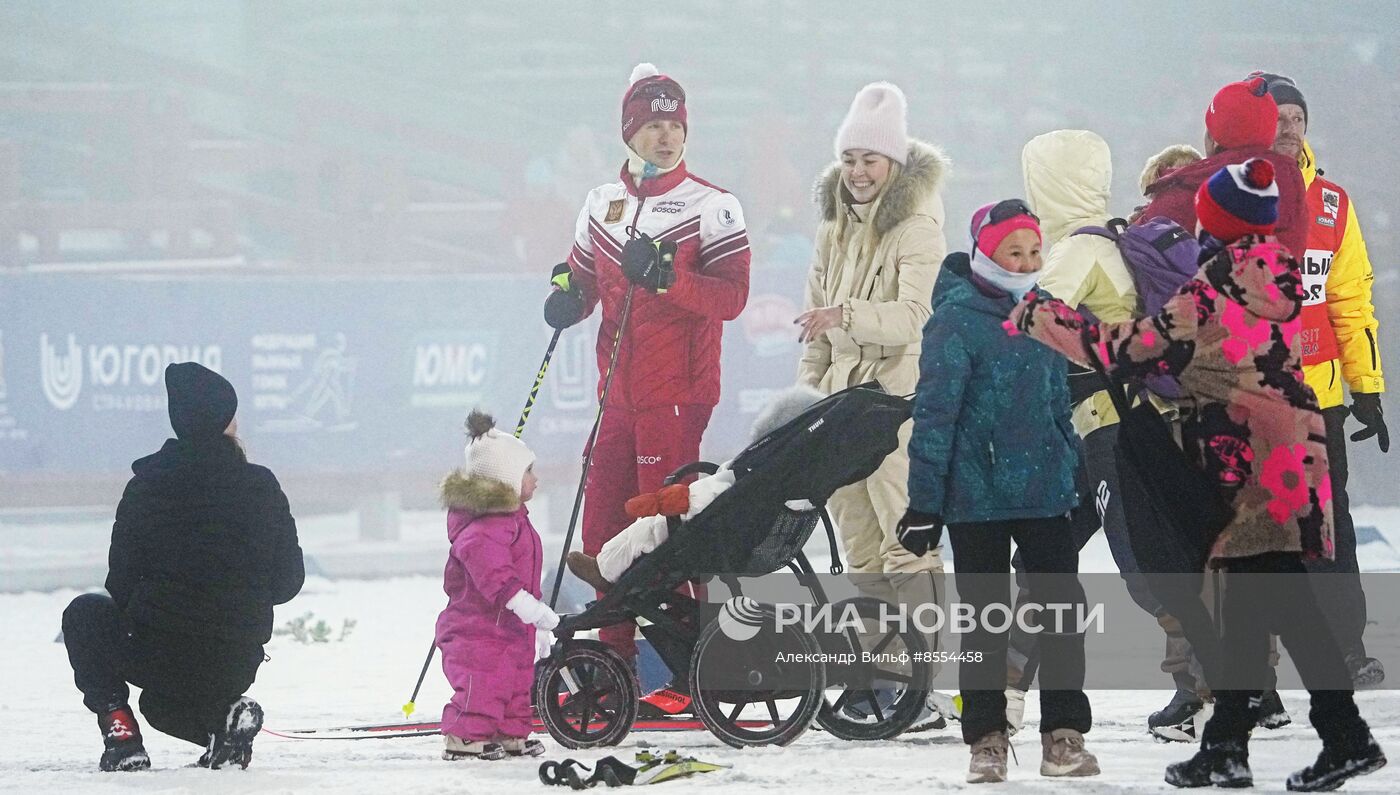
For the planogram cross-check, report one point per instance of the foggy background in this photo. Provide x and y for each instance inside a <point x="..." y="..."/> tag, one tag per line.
<point x="351" y="188"/>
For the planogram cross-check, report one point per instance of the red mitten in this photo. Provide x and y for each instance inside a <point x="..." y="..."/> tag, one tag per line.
<point x="674" y="500"/>
<point x="644" y="505"/>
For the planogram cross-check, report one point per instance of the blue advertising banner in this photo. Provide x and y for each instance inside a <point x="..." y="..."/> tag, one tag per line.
<point x="334" y="373"/>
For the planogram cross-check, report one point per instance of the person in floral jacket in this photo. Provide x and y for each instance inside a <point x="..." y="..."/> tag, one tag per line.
<point x="1231" y="336"/>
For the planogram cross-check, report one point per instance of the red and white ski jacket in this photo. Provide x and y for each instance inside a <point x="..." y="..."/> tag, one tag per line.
<point x="670" y="349"/>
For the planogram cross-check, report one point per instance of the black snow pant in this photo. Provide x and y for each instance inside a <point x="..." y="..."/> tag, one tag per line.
<point x="187" y="683"/>
<point x="1101" y="505"/>
<point x="1258" y="598"/>
<point x="1051" y="561"/>
<point x="1339" y="593"/>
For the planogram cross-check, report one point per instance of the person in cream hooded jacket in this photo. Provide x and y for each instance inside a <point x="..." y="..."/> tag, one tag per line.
<point x="1068" y="174"/>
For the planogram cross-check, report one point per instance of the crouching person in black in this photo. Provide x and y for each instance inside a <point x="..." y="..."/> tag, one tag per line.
<point x="203" y="546"/>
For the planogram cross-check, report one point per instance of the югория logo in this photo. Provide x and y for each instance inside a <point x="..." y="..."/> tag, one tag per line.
<point x="61" y="374"/>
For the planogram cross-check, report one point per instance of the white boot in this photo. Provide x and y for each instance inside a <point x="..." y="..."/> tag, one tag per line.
<point x="946" y="705"/>
<point x="1015" y="710"/>
<point x="456" y="748"/>
<point x="522" y="746"/>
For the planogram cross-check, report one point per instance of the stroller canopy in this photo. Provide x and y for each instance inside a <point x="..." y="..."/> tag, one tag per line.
<point x="836" y="442"/>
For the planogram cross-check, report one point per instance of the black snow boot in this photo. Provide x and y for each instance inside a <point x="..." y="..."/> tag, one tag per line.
<point x="1337" y="763"/>
<point x="121" y="741"/>
<point x="232" y="742"/>
<point x="1365" y="671"/>
<point x="1272" y="715"/>
<point x="1176" y="722"/>
<point x="1222" y="764"/>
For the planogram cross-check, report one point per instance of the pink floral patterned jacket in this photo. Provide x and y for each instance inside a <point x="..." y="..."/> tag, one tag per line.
<point x="1231" y="336"/>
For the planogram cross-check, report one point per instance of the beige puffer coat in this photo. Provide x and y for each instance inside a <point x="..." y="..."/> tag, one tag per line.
<point x="885" y="295"/>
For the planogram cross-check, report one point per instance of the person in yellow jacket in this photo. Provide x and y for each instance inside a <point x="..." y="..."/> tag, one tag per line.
<point x="1339" y="346"/>
<point x="1067" y="176"/>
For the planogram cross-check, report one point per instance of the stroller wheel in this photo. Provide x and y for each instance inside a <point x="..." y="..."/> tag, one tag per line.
<point x="586" y="695"/>
<point x="763" y="690"/>
<point x="873" y="700"/>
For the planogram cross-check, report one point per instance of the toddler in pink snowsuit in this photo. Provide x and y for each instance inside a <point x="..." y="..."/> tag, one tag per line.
<point x="494" y="625"/>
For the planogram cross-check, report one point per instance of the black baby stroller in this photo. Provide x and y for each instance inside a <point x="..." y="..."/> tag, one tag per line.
<point x="587" y="696"/>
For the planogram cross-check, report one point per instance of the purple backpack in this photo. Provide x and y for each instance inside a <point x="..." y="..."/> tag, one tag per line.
<point x="1161" y="258"/>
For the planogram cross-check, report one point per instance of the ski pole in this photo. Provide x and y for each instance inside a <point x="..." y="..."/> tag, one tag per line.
<point x="539" y="379"/>
<point x="410" y="706"/>
<point x="519" y="429"/>
<point x="592" y="441"/>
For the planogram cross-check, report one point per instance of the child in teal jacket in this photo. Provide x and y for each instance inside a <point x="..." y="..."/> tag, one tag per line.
<point x="993" y="455"/>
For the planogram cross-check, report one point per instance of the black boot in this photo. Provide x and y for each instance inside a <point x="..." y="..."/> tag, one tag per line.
<point x="121" y="741"/>
<point x="1337" y="763"/>
<point x="1222" y="764"/>
<point x="232" y="742"/>
<point x="1365" y="671"/>
<point x="1272" y="715"/>
<point x="1176" y="722"/>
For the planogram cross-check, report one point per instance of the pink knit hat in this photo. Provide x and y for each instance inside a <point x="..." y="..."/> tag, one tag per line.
<point x="991" y="223"/>
<point x="876" y="121"/>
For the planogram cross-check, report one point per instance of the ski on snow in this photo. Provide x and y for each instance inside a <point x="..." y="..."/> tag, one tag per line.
<point x="386" y="731"/>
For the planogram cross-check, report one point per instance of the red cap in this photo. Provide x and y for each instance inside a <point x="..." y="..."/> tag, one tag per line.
<point x="1243" y="114"/>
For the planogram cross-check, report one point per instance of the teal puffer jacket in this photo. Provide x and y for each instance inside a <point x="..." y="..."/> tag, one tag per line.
<point x="992" y="435"/>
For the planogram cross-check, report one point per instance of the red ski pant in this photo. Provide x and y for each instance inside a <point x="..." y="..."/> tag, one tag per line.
<point x="635" y="451"/>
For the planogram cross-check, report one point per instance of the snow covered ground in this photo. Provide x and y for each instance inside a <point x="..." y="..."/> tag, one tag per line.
<point x="49" y="743"/>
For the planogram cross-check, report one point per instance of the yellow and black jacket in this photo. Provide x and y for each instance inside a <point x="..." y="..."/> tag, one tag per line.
<point x="1339" y="320"/>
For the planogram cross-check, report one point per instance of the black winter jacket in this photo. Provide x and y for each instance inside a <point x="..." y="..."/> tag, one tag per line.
<point x="204" y="544"/>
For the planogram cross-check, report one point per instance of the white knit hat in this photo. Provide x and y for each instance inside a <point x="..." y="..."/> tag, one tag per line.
<point x="876" y="121"/>
<point x="493" y="454"/>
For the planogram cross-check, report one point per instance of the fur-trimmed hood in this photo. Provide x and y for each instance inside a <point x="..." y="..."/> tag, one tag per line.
<point x="478" y="495"/>
<point x="916" y="185"/>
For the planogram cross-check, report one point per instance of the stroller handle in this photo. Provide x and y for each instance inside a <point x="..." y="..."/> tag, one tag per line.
<point x="701" y="467"/>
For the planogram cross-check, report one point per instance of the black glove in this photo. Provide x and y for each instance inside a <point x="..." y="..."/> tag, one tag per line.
<point x="919" y="532"/>
<point x="1366" y="408"/>
<point x="649" y="263"/>
<point x="564" y="306"/>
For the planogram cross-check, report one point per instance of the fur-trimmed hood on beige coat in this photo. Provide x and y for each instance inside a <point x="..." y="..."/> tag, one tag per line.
<point x="880" y="272"/>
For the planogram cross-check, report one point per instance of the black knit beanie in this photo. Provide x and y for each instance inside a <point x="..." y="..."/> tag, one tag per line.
<point x="1284" y="91"/>
<point x="201" y="402"/>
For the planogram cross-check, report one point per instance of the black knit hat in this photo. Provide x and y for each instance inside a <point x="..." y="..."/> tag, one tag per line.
<point x="1284" y="91"/>
<point x="201" y="402"/>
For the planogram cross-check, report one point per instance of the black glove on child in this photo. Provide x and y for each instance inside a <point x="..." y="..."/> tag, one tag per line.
<point x="649" y="263"/>
<point x="1366" y="408"/>
<point x="564" y="306"/>
<point x="919" y="532"/>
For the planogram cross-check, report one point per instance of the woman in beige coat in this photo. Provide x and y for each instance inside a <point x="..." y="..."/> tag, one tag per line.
<point x="877" y="253"/>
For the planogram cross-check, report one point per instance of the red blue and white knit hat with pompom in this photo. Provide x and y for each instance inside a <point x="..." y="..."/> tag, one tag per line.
<point x="1239" y="200"/>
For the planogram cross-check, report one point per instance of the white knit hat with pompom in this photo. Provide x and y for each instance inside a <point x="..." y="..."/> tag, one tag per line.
<point x="493" y="454"/>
